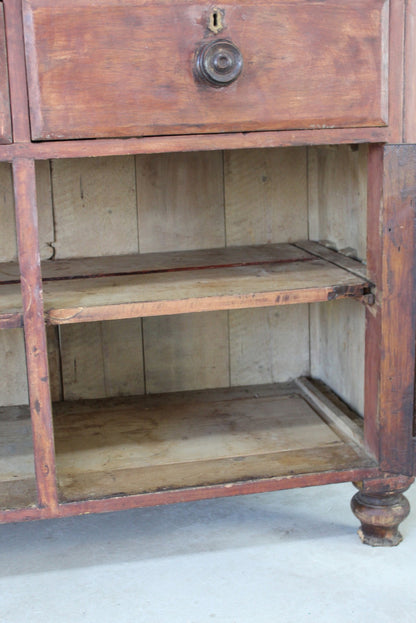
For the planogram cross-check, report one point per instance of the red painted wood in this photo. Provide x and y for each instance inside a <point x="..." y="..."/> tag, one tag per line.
<point x="5" y="121"/>
<point x="410" y="74"/>
<point x="198" y="142"/>
<point x="186" y="495"/>
<point x="306" y="65"/>
<point x="17" y="70"/>
<point x="391" y="321"/>
<point x="34" y="329"/>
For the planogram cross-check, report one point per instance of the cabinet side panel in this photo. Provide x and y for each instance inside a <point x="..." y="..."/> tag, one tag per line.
<point x="95" y="214"/>
<point x="266" y="202"/>
<point x="180" y="200"/>
<point x="337" y="215"/>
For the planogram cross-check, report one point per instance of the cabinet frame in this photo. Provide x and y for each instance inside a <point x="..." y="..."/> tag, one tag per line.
<point x="391" y="319"/>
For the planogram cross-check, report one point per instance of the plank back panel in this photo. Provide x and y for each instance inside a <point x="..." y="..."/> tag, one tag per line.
<point x="266" y="202"/>
<point x="95" y="214"/>
<point x="180" y="201"/>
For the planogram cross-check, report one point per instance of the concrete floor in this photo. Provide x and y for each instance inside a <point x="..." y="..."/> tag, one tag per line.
<point x="289" y="556"/>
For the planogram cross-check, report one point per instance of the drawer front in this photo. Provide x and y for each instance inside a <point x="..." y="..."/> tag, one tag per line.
<point x="5" y="122"/>
<point x="106" y="68"/>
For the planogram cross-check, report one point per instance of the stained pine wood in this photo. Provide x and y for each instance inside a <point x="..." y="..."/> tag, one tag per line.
<point x="180" y="203"/>
<point x="17" y="473"/>
<point x="8" y="250"/>
<point x="287" y="82"/>
<point x="266" y="202"/>
<point x="391" y="325"/>
<point x="5" y="121"/>
<point x="35" y="337"/>
<point x="410" y="74"/>
<point x="169" y="293"/>
<point x="17" y="71"/>
<point x="148" y="443"/>
<point x="190" y="143"/>
<point x="12" y="356"/>
<point x="86" y="193"/>
<point x="160" y="262"/>
<point x="337" y="183"/>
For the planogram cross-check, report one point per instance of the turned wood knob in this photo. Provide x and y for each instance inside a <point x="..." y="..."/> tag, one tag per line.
<point x="219" y="63"/>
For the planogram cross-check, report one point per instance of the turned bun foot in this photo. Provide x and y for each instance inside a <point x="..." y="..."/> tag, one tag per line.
<point x="380" y="513"/>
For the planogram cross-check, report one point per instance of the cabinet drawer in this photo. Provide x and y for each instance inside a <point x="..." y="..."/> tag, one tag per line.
<point x="5" y="123"/>
<point x="107" y="68"/>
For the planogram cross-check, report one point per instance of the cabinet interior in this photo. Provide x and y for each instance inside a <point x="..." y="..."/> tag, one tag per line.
<point x="230" y="358"/>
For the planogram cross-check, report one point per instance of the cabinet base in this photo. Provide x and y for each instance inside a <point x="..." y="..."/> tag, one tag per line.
<point x="381" y="507"/>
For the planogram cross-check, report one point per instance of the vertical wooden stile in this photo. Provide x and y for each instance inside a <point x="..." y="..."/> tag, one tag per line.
<point x="34" y="330"/>
<point x="390" y="343"/>
<point x="17" y="71"/>
<point x="409" y="133"/>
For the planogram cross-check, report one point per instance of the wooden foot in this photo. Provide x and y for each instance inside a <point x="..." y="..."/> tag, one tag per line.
<point x="381" y="506"/>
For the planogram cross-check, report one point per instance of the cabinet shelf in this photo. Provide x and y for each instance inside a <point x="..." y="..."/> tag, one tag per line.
<point x="153" y="284"/>
<point x="141" y="444"/>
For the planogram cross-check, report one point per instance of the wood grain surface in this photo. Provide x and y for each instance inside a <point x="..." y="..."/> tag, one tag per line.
<point x="306" y="65"/>
<point x="5" y="121"/>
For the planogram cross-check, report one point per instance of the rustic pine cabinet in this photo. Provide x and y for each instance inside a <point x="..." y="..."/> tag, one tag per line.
<point x="207" y="267"/>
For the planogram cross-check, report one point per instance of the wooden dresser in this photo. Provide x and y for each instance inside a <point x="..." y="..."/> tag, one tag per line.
<point x="207" y="277"/>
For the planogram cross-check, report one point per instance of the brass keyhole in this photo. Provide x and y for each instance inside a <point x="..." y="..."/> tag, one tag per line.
<point x="216" y="21"/>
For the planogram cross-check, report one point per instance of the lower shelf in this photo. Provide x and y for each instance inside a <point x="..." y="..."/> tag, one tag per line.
<point x="153" y="443"/>
<point x="17" y="470"/>
<point x="143" y="444"/>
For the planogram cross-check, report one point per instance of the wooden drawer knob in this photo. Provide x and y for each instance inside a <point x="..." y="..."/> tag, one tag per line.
<point x="219" y="63"/>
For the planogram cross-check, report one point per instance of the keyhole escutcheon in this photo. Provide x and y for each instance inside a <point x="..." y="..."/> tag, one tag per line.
<point x="216" y="18"/>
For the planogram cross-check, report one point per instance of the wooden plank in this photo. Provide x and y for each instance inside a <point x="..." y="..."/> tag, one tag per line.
<point x="5" y="121"/>
<point x="17" y="71"/>
<point x="394" y="65"/>
<point x="181" y="206"/>
<point x="35" y="338"/>
<point x="396" y="309"/>
<point x="186" y="352"/>
<point x="67" y="101"/>
<point x="146" y="263"/>
<point x="45" y="210"/>
<point x="338" y="349"/>
<point x="87" y="193"/>
<point x="83" y="300"/>
<point x="94" y="207"/>
<point x="127" y="446"/>
<point x="8" y="248"/>
<point x="104" y="361"/>
<point x="410" y="74"/>
<point x="265" y="195"/>
<point x="190" y="143"/>
<point x="12" y="357"/>
<point x="269" y="345"/>
<point x="345" y="422"/>
<point x="266" y="202"/>
<point x="337" y="214"/>
<point x="191" y="494"/>
<point x="337" y="186"/>
<point x="17" y="467"/>
<point x="180" y="201"/>
<point x="339" y="259"/>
